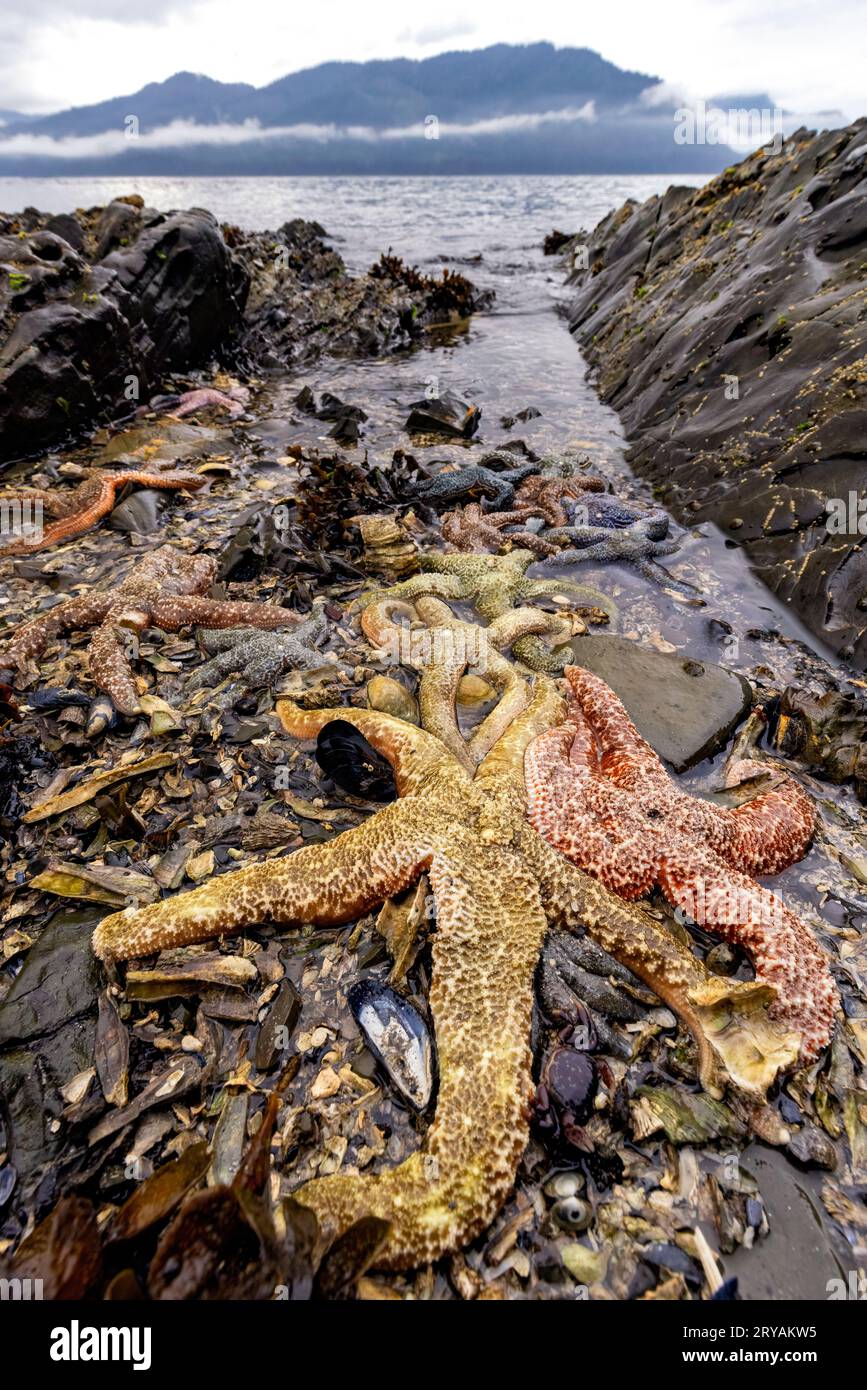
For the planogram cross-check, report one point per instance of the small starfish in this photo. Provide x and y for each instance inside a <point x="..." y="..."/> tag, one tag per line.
<point x="633" y="545"/>
<point x="78" y="509"/>
<point x="496" y="886"/>
<point x="470" y="528"/>
<point x="260" y="657"/>
<point x="602" y="509"/>
<point x="600" y="793"/>
<point x="545" y="495"/>
<point x="494" y="584"/>
<point x="234" y="403"/>
<point x="446" y="647"/>
<point x="163" y="590"/>
<point x="499" y="488"/>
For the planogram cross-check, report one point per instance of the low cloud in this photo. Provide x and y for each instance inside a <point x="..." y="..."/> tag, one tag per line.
<point x="188" y="134"/>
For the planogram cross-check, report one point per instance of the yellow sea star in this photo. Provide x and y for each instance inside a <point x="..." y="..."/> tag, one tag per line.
<point x="497" y="886"/>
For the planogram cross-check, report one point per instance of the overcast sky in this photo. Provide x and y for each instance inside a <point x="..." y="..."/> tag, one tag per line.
<point x="55" y="53"/>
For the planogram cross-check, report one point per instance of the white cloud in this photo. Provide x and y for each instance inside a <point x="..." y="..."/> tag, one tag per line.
<point x="185" y="134"/>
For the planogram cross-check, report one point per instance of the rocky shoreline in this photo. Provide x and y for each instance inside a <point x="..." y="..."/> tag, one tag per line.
<point x="97" y="307"/>
<point x="728" y="328"/>
<point x="216" y="685"/>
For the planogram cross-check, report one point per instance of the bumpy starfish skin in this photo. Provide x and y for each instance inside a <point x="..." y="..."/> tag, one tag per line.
<point x="80" y="508"/>
<point x="205" y="396"/>
<point x="635" y="545"/>
<point x="602" y="509"/>
<point x="546" y="495"/>
<point x="446" y="648"/>
<point x="498" y="487"/>
<point x="600" y="793"/>
<point x="472" y="529"/>
<point x="163" y="590"/>
<point x="260" y="657"/>
<point x="496" y="884"/>
<point x="494" y="584"/>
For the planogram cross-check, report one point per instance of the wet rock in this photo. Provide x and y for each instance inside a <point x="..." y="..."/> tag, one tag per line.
<point x="725" y="325"/>
<point x="444" y="415"/>
<point x="555" y="242"/>
<point x="685" y="709"/>
<point x="812" y="1148"/>
<point x="66" y="226"/>
<point x="163" y="303"/>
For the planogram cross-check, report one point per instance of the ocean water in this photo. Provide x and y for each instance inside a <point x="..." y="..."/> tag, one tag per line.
<point x="419" y="217"/>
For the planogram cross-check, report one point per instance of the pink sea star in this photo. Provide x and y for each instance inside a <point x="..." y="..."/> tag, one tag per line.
<point x="600" y="794"/>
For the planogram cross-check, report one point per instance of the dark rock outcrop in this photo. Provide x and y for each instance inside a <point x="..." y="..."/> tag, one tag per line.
<point x="77" y="324"/>
<point x="728" y="327"/>
<point x="305" y="304"/>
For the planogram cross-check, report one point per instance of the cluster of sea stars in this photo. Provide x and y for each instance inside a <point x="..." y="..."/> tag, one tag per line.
<point x="600" y="528"/>
<point x="164" y="590"/>
<point x="493" y="819"/>
<point x="497" y="886"/>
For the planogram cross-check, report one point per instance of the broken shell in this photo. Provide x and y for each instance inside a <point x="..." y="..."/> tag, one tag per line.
<point x="398" y="1037"/>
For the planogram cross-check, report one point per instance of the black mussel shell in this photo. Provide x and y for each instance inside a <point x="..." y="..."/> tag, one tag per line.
<point x="52" y="698"/>
<point x="398" y="1037"/>
<point x="348" y="758"/>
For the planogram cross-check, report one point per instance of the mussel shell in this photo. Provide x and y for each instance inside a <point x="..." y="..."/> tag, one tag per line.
<point x="347" y="757"/>
<point x="398" y="1037"/>
<point x="51" y="698"/>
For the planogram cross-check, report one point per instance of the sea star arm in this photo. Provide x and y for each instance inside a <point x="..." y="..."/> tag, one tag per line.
<point x="326" y="884"/>
<point x="176" y="611"/>
<point x="782" y="948"/>
<point x="489" y="933"/>
<point x="53" y="501"/>
<point x="31" y="639"/>
<point x="772" y="831"/>
<point x="728" y="1019"/>
<point x="94" y="500"/>
<point x="110" y="670"/>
